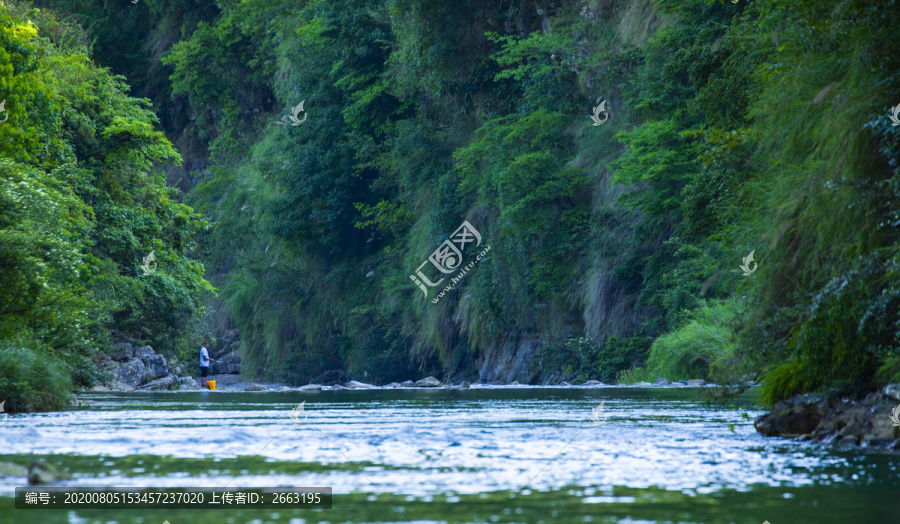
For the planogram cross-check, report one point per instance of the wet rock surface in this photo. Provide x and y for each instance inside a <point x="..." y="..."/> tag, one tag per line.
<point x="865" y="421"/>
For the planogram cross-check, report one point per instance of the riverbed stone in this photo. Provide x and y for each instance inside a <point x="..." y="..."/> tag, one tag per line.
<point x="311" y="387"/>
<point x="593" y="383"/>
<point x="186" y="383"/>
<point x="8" y="469"/>
<point x="696" y="382"/>
<point x="336" y="387"/>
<point x="795" y="416"/>
<point x="256" y="387"/>
<point x="428" y="382"/>
<point x="407" y="384"/>
<point x="353" y="384"/>
<point x="45" y="473"/>
<point x="465" y="385"/>
<point x="122" y="351"/>
<point x="393" y="385"/>
<point x="161" y="383"/>
<point x="642" y="384"/>
<point x="662" y="381"/>
<point x="564" y="383"/>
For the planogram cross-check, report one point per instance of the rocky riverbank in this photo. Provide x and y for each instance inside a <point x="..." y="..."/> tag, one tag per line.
<point x="128" y="368"/>
<point x="853" y="422"/>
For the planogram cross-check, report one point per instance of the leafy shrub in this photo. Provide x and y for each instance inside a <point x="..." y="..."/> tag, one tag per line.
<point x="32" y="382"/>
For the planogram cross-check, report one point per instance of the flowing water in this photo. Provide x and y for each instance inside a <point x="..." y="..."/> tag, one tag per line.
<point x="522" y="454"/>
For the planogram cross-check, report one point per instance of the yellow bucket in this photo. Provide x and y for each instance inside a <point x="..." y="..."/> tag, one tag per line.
<point x="211" y="384"/>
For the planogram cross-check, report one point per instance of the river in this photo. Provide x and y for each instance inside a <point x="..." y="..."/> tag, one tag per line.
<point x="521" y="454"/>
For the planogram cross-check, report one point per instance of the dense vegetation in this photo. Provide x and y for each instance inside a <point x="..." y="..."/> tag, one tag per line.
<point x="733" y="127"/>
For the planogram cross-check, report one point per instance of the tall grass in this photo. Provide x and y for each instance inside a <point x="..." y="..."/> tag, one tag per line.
<point x="705" y="347"/>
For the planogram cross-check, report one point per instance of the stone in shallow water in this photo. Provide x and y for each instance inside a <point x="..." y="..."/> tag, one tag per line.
<point x="311" y="387"/>
<point x="8" y="469"/>
<point x="393" y="385"/>
<point x="256" y="387"/>
<point x="465" y="385"/>
<point x="593" y="383"/>
<point x="696" y="382"/>
<point x="641" y="384"/>
<point x="353" y="384"/>
<point x="662" y="381"/>
<point x="407" y="384"/>
<point x="428" y="382"/>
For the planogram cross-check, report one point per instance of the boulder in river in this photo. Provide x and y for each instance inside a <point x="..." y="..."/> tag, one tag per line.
<point x="795" y="416"/>
<point x="593" y="383"/>
<point x="641" y="384"/>
<point x="407" y="384"/>
<point x="393" y="385"/>
<point x="662" y="381"/>
<point x="256" y="387"/>
<point x="353" y="384"/>
<point x="44" y="473"/>
<point x="465" y="385"/>
<point x="428" y="382"/>
<point x="8" y="469"/>
<point x="696" y="382"/>
<point x="311" y="387"/>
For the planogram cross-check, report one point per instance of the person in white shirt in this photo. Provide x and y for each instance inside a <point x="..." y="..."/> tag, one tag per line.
<point x="204" y="363"/>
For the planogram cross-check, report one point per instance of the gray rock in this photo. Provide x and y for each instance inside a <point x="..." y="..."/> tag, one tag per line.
<point x="353" y="384"/>
<point x="187" y="383"/>
<point x="122" y="351"/>
<point x="799" y="415"/>
<point x="678" y="384"/>
<point x="256" y="387"/>
<point x="8" y="469"/>
<point x="564" y="383"/>
<point x="514" y="383"/>
<point x="156" y="366"/>
<point x="641" y="384"/>
<point x="593" y="383"/>
<point x="143" y="352"/>
<point x="428" y="382"/>
<point x="162" y="383"/>
<point x="662" y="381"/>
<point x="696" y="382"/>
<point x="132" y="373"/>
<point x="229" y="364"/>
<point x="465" y="385"/>
<point x="892" y="391"/>
<point x="407" y="384"/>
<point x="336" y="387"/>
<point x="311" y="387"/>
<point x="100" y="388"/>
<point x="110" y="366"/>
<point x="393" y="385"/>
<point x="44" y="473"/>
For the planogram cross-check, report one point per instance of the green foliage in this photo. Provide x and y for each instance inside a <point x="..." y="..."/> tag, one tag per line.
<point x="31" y="381"/>
<point x="82" y="204"/>
<point x="706" y="347"/>
<point x="733" y="128"/>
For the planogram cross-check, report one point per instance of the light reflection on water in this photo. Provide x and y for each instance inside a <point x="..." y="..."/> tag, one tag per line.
<point x="456" y="448"/>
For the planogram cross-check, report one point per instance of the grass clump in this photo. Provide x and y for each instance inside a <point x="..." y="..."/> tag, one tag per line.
<point x="705" y="347"/>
